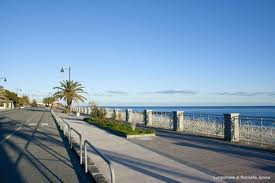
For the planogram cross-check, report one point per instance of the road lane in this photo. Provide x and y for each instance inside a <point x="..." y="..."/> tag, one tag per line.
<point x="36" y="152"/>
<point x="10" y="121"/>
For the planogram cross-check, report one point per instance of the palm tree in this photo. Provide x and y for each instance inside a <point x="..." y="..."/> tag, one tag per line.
<point x="70" y="91"/>
<point x="49" y="101"/>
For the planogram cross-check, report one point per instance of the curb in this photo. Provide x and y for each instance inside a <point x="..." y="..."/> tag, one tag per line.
<point x="93" y="171"/>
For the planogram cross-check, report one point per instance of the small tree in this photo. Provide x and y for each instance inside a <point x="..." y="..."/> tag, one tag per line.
<point x="49" y="101"/>
<point x="46" y="101"/>
<point x="24" y="100"/>
<point x="13" y="97"/>
<point x="34" y="103"/>
<point x="96" y="112"/>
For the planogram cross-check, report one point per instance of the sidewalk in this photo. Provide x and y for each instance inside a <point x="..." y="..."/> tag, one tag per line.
<point x="133" y="163"/>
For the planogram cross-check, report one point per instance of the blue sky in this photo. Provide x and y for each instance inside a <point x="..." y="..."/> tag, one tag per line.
<point x="143" y="52"/>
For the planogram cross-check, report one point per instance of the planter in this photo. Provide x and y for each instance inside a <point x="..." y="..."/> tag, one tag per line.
<point x="119" y="133"/>
<point x="140" y="136"/>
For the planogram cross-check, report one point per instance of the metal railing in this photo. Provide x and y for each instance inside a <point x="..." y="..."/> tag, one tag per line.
<point x="138" y="117"/>
<point x="109" y="113"/>
<point x="257" y="129"/>
<point x="80" y="142"/>
<point x="204" y="123"/>
<point x="68" y="129"/>
<point x="112" y="172"/>
<point x="162" y="119"/>
<point x="122" y="115"/>
<point x="86" y="142"/>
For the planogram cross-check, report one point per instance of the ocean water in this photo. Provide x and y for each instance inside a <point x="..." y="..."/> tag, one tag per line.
<point x="259" y="111"/>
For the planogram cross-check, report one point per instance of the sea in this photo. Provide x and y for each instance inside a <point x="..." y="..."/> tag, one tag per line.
<point x="257" y="111"/>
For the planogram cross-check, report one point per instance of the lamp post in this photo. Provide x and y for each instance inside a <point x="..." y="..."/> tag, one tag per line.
<point x="18" y="90"/>
<point x="63" y="70"/>
<point x="3" y="78"/>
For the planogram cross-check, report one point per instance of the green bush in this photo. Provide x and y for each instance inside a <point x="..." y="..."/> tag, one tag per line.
<point x="123" y="128"/>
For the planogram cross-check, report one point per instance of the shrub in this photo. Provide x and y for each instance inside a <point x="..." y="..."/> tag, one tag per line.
<point x="97" y="113"/>
<point x="123" y="128"/>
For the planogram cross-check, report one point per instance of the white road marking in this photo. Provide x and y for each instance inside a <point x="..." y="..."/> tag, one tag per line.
<point x="31" y="124"/>
<point x="44" y="124"/>
<point x="7" y="137"/>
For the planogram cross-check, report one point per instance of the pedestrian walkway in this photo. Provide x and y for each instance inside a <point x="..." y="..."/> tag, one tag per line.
<point x="213" y="156"/>
<point x="133" y="163"/>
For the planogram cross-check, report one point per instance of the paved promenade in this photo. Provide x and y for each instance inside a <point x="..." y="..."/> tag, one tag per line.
<point x="133" y="163"/>
<point x="213" y="156"/>
<point x="177" y="157"/>
<point x="32" y="150"/>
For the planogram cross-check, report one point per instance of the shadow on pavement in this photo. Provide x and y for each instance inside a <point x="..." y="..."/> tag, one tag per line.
<point x="149" y="168"/>
<point x="19" y="147"/>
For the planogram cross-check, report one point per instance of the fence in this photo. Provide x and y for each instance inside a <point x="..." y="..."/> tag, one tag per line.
<point x="233" y="127"/>
<point x="138" y="117"/>
<point x="257" y="129"/>
<point x="162" y="119"/>
<point x="109" y="113"/>
<point x="204" y="124"/>
<point x="122" y="115"/>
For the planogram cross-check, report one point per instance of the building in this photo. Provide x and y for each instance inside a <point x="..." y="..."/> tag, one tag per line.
<point x="5" y="103"/>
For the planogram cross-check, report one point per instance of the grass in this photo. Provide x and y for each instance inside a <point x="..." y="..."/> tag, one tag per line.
<point x="117" y="126"/>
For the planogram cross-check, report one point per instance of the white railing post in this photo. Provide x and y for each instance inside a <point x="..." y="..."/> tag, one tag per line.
<point x="85" y="156"/>
<point x="81" y="153"/>
<point x="90" y="110"/>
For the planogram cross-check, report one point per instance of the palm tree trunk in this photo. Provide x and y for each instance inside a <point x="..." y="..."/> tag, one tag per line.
<point x="69" y="104"/>
<point x="69" y="109"/>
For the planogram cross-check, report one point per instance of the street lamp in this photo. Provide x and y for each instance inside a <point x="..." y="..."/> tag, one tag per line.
<point x="63" y="70"/>
<point x="3" y="78"/>
<point x="18" y="90"/>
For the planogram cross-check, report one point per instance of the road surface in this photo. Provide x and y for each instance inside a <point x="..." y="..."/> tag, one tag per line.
<point x="32" y="149"/>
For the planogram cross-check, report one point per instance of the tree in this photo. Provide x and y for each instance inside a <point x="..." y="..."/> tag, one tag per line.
<point x="52" y="100"/>
<point x="34" y="103"/>
<point x="45" y="101"/>
<point x="2" y="93"/>
<point x="49" y="101"/>
<point x="24" y="100"/>
<point x="3" y="97"/>
<point x="13" y="97"/>
<point x="70" y="91"/>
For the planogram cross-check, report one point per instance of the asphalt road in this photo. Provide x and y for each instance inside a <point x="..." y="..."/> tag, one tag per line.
<point x="212" y="156"/>
<point x="32" y="149"/>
